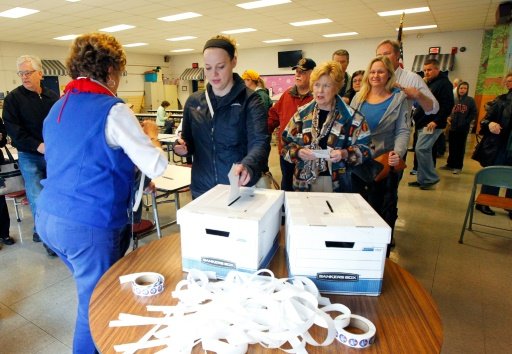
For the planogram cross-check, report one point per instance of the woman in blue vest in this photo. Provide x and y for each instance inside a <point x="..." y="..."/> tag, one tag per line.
<point x="93" y="144"/>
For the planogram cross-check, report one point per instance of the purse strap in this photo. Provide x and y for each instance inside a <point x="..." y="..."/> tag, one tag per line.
<point x="209" y="102"/>
<point x="9" y="155"/>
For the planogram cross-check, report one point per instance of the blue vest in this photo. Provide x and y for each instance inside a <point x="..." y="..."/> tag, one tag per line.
<point x="87" y="181"/>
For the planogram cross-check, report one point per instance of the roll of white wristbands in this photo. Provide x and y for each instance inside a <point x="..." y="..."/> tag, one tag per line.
<point x="361" y="340"/>
<point x="145" y="283"/>
<point x="227" y="316"/>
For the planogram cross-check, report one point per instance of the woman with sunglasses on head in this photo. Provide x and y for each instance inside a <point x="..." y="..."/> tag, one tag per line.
<point x="386" y="110"/>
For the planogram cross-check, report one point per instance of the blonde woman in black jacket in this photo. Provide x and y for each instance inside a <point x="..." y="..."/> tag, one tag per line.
<point x="229" y="129"/>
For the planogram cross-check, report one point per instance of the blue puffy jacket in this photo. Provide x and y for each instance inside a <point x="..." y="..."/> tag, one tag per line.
<point x="236" y="134"/>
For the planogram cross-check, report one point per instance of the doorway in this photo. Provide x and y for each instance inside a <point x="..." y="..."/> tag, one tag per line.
<point x="52" y="83"/>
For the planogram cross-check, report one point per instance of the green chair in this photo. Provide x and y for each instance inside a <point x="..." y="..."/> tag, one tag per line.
<point x="496" y="176"/>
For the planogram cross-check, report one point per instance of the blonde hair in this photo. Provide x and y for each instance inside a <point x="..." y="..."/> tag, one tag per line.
<point x="228" y="39"/>
<point x="330" y="68"/>
<point x="366" y="88"/>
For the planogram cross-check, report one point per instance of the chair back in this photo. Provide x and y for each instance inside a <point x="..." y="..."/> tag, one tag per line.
<point x="496" y="176"/>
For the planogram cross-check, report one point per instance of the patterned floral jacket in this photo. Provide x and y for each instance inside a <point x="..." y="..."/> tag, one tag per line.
<point x="297" y="135"/>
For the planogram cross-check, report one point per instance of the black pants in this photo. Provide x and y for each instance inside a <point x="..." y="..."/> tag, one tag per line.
<point x="456" y="148"/>
<point x="287" y="169"/>
<point x="5" y="222"/>
<point x="383" y="198"/>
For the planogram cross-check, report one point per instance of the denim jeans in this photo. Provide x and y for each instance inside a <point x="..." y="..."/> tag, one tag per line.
<point x="33" y="169"/>
<point x="426" y="169"/>
<point x="88" y="252"/>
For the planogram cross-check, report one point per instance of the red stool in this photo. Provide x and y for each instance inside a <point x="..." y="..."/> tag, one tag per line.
<point x="18" y="198"/>
<point x="140" y="229"/>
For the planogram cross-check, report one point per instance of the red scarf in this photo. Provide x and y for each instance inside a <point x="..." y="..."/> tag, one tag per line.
<point x="85" y="85"/>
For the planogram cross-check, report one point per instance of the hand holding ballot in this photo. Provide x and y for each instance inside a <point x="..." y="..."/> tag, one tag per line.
<point x="180" y="147"/>
<point x="332" y="155"/>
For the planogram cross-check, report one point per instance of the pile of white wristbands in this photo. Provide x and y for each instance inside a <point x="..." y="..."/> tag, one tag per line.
<point x="226" y="316"/>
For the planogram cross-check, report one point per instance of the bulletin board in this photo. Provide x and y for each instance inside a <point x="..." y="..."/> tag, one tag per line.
<point x="277" y="84"/>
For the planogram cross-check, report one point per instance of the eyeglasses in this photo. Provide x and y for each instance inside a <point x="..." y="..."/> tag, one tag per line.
<point x="25" y="73"/>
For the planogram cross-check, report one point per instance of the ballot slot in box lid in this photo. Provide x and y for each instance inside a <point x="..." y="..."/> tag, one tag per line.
<point x="337" y="240"/>
<point x="219" y="237"/>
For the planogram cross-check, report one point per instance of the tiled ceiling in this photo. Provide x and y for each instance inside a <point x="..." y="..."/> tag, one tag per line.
<point x="59" y="17"/>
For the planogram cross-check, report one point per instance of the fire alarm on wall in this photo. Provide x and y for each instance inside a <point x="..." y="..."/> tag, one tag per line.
<point x="195" y="65"/>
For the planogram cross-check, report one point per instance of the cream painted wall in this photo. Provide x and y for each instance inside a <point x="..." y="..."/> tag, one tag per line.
<point x="264" y="60"/>
<point x="130" y="85"/>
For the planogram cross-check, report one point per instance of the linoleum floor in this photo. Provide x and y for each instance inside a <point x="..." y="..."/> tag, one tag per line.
<point x="471" y="283"/>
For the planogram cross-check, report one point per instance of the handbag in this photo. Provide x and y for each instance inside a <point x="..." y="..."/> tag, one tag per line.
<point x="11" y="179"/>
<point x="486" y="149"/>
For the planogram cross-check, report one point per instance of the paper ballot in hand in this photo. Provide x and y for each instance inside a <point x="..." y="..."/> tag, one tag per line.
<point x="322" y="154"/>
<point x="234" y="190"/>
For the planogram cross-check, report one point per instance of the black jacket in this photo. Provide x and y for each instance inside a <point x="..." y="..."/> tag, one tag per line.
<point x="24" y="112"/>
<point x="236" y="134"/>
<point x="442" y="89"/>
<point x="500" y="111"/>
<point x="3" y="140"/>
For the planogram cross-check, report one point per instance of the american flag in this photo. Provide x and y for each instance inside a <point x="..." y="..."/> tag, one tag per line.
<point x="399" y="39"/>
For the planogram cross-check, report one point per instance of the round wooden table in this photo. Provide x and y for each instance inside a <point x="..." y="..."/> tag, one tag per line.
<point x="405" y="315"/>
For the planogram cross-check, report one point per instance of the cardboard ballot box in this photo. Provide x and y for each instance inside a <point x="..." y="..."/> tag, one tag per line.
<point x="242" y="236"/>
<point x="337" y="240"/>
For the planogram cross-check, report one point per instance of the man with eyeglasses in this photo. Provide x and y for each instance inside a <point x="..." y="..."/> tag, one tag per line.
<point x="25" y="109"/>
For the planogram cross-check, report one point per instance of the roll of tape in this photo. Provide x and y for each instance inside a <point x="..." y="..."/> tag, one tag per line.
<point x="145" y="283"/>
<point x="361" y="340"/>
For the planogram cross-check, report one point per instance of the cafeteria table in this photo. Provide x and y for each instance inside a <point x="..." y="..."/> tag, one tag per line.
<point x="173" y="181"/>
<point x="405" y="315"/>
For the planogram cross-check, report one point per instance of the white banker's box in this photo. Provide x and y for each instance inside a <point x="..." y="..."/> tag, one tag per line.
<point x="243" y="236"/>
<point x="337" y="240"/>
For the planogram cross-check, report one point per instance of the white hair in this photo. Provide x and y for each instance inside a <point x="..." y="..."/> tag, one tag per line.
<point x="35" y="61"/>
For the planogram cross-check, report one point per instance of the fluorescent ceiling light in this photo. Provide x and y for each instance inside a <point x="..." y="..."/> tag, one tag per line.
<point x="117" y="28"/>
<point x="240" y="30"/>
<point x="407" y="11"/>
<point x="261" y="3"/>
<point x="418" y="27"/>
<point x="131" y="45"/>
<point x="181" y="50"/>
<point x="184" y="38"/>
<point x="331" y="35"/>
<point x="72" y="0"/>
<point x="311" y="22"/>
<point x="278" y="40"/>
<point x="67" y="37"/>
<point x="18" y="12"/>
<point x="178" y="17"/>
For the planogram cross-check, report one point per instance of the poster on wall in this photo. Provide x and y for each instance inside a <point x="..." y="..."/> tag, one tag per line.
<point x="277" y="84"/>
<point x="494" y="61"/>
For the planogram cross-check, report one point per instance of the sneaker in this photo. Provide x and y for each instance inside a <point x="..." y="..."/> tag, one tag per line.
<point x="49" y="251"/>
<point x="413" y="172"/>
<point x="428" y="186"/>
<point x="456" y="171"/>
<point x="485" y="209"/>
<point x="414" y="184"/>
<point x="7" y="240"/>
<point x="35" y="237"/>
<point x="445" y="167"/>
